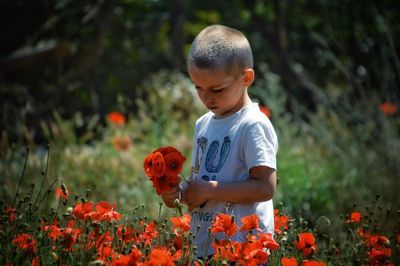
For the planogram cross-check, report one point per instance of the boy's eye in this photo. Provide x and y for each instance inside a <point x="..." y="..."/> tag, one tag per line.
<point x="218" y="90"/>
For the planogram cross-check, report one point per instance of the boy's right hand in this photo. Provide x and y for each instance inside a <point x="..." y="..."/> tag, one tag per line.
<point x="170" y="196"/>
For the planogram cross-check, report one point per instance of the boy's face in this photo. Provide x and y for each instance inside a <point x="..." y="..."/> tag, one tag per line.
<point x="221" y="93"/>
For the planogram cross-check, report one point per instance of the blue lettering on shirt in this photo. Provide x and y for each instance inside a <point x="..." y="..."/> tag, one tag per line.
<point x="211" y="167"/>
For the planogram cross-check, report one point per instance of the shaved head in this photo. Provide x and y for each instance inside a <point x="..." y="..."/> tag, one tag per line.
<point x="220" y="47"/>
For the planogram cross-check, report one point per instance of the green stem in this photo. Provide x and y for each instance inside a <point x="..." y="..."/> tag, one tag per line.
<point x="44" y="176"/>
<point x="209" y="239"/>
<point x="20" y="179"/>
<point x="159" y="212"/>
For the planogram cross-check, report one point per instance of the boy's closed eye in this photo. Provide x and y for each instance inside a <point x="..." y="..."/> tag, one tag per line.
<point x="218" y="90"/>
<point x="213" y="90"/>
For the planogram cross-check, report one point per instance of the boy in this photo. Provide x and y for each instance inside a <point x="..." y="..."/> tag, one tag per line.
<point x="235" y="145"/>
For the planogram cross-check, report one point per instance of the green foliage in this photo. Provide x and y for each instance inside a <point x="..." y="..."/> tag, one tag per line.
<point x="329" y="160"/>
<point x="337" y="159"/>
<point x="93" y="160"/>
<point x="338" y="152"/>
<point x="340" y="157"/>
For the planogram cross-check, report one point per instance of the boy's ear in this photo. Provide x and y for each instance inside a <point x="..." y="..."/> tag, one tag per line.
<point x="248" y="77"/>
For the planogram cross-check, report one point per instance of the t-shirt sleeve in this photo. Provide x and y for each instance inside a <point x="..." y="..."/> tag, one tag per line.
<point x="260" y="146"/>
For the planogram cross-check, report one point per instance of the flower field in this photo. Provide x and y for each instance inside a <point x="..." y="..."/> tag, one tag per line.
<point x="88" y="199"/>
<point x="80" y="231"/>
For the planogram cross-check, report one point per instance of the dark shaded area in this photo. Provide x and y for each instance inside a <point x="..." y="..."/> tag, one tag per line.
<point x="86" y="56"/>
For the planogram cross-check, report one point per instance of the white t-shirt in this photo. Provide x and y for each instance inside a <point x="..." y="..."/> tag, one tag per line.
<point x="225" y="150"/>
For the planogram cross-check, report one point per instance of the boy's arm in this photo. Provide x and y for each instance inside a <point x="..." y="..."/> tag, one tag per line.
<point x="259" y="187"/>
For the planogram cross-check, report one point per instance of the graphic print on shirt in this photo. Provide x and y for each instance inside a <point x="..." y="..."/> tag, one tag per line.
<point x="200" y="151"/>
<point x="215" y="156"/>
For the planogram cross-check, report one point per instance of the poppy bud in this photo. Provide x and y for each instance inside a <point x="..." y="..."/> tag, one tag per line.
<point x="64" y="189"/>
<point x="177" y="203"/>
<point x="69" y="210"/>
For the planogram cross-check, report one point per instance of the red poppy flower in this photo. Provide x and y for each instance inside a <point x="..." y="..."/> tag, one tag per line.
<point x="82" y="209"/>
<point x="36" y="261"/>
<point x="306" y="243"/>
<point x="312" y="263"/>
<point x="107" y="253"/>
<point x="106" y="211"/>
<point x="148" y="165"/>
<point x="111" y="216"/>
<point x="280" y="221"/>
<point x="165" y="183"/>
<point x="257" y="257"/>
<point x="268" y="241"/>
<point x="182" y="256"/>
<point x="158" y="164"/>
<point x="126" y="233"/>
<point x="379" y="255"/>
<point x="70" y="236"/>
<point x="167" y="149"/>
<point x="251" y="251"/>
<point x="227" y="250"/>
<point x="104" y="206"/>
<point x="173" y="160"/>
<point x="131" y="259"/>
<point x="135" y="255"/>
<point x="249" y="223"/>
<point x="182" y="223"/>
<point x="163" y="167"/>
<point x="173" y="163"/>
<point x="224" y="223"/>
<point x="122" y="260"/>
<point x="122" y="143"/>
<point x="160" y="257"/>
<point x="355" y="217"/>
<point x="25" y="241"/>
<point x="288" y="261"/>
<point x="388" y="108"/>
<point x="61" y="193"/>
<point x="178" y="242"/>
<point x="10" y="212"/>
<point x="376" y="240"/>
<point x="150" y="232"/>
<point x="116" y="118"/>
<point x="98" y="240"/>
<point x="266" y="111"/>
<point x="53" y="231"/>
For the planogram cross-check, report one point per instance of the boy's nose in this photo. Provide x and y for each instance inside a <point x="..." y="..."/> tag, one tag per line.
<point x="208" y="98"/>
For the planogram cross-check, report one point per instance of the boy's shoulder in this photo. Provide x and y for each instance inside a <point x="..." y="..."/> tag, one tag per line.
<point x="204" y="117"/>
<point x="253" y="115"/>
<point x="248" y="115"/>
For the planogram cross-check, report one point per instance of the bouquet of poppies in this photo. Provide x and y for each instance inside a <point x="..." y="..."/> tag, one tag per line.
<point x="163" y="167"/>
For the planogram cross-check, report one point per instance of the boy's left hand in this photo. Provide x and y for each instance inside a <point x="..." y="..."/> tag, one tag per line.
<point x="197" y="193"/>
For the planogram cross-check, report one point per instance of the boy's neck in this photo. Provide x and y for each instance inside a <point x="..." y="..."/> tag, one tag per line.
<point x="245" y="102"/>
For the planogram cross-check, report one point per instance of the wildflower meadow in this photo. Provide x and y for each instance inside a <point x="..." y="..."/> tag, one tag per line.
<point x="97" y="120"/>
<point x="75" y="202"/>
<point x="81" y="231"/>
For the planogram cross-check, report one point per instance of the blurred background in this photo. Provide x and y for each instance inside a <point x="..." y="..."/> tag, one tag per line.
<point x="328" y="72"/>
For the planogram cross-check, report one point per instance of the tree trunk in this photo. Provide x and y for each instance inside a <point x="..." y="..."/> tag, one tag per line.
<point x="298" y="87"/>
<point x="177" y="34"/>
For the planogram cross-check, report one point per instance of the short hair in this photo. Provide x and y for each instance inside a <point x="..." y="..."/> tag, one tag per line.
<point x="221" y="47"/>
